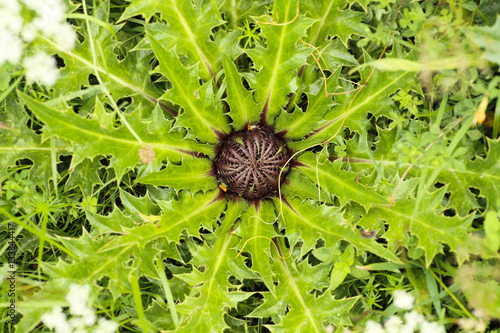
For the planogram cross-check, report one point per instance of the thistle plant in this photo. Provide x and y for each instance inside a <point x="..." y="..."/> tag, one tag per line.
<point x="256" y="166"/>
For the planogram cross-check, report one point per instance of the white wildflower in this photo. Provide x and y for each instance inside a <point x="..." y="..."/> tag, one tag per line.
<point x="9" y="5"/>
<point x="89" y="317"/>
<point x="431" y="327"/>
<point x="77" y="323"/>
<point x="10" y="26"/>
<point x="80" y="330"/>
<point x="56" y="320"/>
<point x="106" y="326"/>
<point x="12" y="48"/>
<point x="65" y="37"/>
<point x="50" y="11"/>
<point x="78" y="297"/>
<point x="10" y="16"/>
<point x="41" y="68"/>
<point x="373" y="327"/>
<point x="403" y="300"/>
<point x="467" y="324"/>
<point x="29" y="32"/>
<point x="412" y="320"/>
<point x="51" y="22"/>
<point x="393" y="324"/>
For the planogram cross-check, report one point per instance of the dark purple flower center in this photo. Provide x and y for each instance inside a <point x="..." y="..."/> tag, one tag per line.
<point x="249" y="163"/>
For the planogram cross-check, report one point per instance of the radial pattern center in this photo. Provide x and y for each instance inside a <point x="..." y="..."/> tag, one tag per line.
<point x="249" y="163"/>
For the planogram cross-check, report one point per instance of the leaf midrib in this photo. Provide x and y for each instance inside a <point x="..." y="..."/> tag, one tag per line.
<point x="340" y="180"/>
<point x="101" y="136"/>
<point x="412" y="219"/>
<point x="175" y="78"/>
<point x="296" y="290"/>
<point x="329" y="231"/>
<point x="322" y="22"/>
<point x="115" y="78"/>
<point x="452" y="170"/>
<point x="162" y="231"/>
<point x="111" y="259"/>
<point x="353" y="109"/>
<point x="192" y="38"/>
<point x="277" y="62"/>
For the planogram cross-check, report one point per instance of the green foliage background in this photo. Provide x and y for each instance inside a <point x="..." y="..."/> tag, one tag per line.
<point x="396" y="185"/>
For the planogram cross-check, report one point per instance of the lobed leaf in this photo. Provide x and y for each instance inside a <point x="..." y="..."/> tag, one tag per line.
<point x="334" y="180"/>
<point x="243" y="110"/>
<point x="277" y="64"/>
<point x="129" y="77"/>
<point x="298" y="185"/>
<point x="188" y="29"/>
<point x="256" y="231"/>
<point x="204" y="310"/>
<point x="237" y="11"/>
<point x="333" y="21"/>
<point x="200" y="113"/>
<point x="17" y="141"/>
<point x="308" y="222"/>
<point x="300" y="123"/>
<point x="296" y="306"/>
<point x="90" y="139"/>
<point x="428" y="223"/>
<point x="353" y="107"/>
<point x="191" y="174"/>
<point x="187" y="213"/>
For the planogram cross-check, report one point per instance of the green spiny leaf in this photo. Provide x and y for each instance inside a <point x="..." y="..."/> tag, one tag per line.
<point x="205" y="311"/>
<point x="355" y="106"/>
<point x="17" y="142"/>
<point x="308" y="222"/>
<point x="128" y="77"/>
<point x="338" y="182"/>
<point x="256" y="231"/>
<point x="306" y="313"/>
<point x="298" y="185"/>
<point x="429" y="224"/>
<point x="333" y="21"/>
<point x="298" y="124"/>
<point x="85" y="176"/>
<point x="191" y="174"/>
<point x="187" y="213"/>
<point x="90" y="139"/>
<point x="243" y="109"/>
<point x="237" y="11"/>
<point x="200" y="114"/>
<point x="115" y="222"/>
<point x="189" y="28"/>
<point x="278" y="62"/>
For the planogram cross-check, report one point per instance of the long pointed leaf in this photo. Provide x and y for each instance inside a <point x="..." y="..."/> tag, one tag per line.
<point x="91" y="139"/>
<point x="282" y="57"/>
<point x="191" y="174"/>
<point x="200" y="114"/>
<point x="243" y="108"/>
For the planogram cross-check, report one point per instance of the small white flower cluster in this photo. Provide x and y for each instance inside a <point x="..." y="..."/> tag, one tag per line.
<point x="11" y="26"/>
<point x="412" y="320"/>
<point x="83" y="316"/>
<point x="51" y="22"/>
<point x="403" y="300"/>
<point x="14" y="33"/>
<point x="472" y="325"/>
